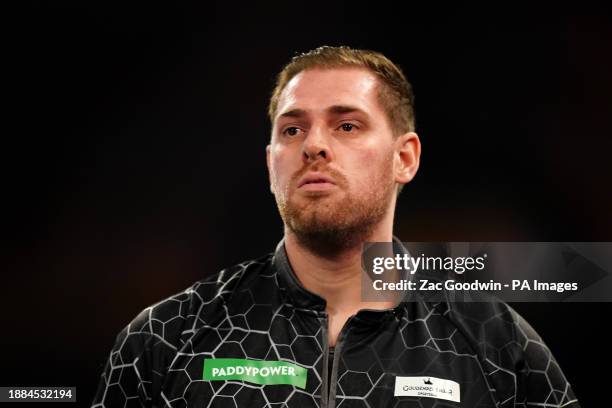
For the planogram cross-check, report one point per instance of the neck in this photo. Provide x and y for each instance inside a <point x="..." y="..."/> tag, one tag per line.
<point x="337" y="277"/>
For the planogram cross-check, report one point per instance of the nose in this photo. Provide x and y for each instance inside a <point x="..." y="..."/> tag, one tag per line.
<point x="316" y="145"/>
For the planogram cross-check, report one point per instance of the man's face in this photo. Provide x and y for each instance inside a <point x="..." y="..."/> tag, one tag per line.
<point x="331" y="156"/>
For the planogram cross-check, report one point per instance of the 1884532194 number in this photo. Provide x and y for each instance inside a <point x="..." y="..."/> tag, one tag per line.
<point x="37" y="394"/>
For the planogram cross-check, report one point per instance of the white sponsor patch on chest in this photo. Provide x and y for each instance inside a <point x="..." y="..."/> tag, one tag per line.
<point x="431" y="387"/>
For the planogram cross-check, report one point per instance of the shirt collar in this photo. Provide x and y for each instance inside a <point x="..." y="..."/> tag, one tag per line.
<point x="297" y="294"/>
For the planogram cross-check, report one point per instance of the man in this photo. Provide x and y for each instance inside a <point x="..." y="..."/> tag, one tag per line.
<point x="290" y="329"/>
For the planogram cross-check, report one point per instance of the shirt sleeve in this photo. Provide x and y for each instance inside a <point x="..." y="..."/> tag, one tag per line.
<point x="540" y="379"/>
<point x="133" y="372"/>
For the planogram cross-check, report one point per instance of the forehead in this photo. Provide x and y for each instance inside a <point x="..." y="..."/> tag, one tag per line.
<point x="317" y="89"/>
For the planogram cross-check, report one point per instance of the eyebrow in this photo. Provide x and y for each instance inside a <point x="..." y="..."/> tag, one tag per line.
<point x="293" y="113"/>
<point x="340" y="109"/>
<point x="335" y="109"/>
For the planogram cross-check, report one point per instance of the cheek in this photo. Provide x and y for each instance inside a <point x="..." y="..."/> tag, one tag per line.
<point x="281" y="167"/>
<point x="369" y="167"/>
<point x="369" y="164"/>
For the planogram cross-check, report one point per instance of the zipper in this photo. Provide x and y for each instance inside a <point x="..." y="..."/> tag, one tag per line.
<point x="324" y="377"/>
<point x="328" y="395"/>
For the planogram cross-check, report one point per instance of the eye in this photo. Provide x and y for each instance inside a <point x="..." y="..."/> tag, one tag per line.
<point x="291" y="131"/>
<point x="347" y="127"/>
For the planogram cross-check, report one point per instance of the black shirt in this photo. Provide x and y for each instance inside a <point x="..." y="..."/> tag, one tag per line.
<point x="257" y="314"/>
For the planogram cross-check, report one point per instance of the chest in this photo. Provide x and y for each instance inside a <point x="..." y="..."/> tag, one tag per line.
<point x="280" y="356"/>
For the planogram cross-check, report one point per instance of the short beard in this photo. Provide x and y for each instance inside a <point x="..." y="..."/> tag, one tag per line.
<point x="331" y="230"/>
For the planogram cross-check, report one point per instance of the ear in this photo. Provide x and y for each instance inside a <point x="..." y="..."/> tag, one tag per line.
<point x="407" y="157"/>
<point x="268" y="147"/>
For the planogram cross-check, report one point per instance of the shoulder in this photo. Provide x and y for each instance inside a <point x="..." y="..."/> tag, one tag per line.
<point x="493" y="327"/>
<point x="170" y="319"/>
<point x="492" y="322"/>
<point x="516" y="360"/>
<point x="145" y="348"/>
<point x="223" y="284"/>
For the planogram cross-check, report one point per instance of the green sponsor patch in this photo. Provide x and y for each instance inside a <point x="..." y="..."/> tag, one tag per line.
<point x="255" y="371"/>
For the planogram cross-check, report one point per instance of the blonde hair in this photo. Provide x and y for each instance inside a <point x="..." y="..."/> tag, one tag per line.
<point x="394" y="94"/>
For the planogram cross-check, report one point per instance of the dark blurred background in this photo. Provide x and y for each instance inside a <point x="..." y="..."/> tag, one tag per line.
<point x="133" y="159"/>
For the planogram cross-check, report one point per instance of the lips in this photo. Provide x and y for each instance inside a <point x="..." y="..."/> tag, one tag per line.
<point x="315" y="178"/>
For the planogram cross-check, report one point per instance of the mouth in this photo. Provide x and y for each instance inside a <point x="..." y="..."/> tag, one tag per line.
<point x="314" y="178"/>
<point x="323" y="186"/>
<point x="316" y="182"/>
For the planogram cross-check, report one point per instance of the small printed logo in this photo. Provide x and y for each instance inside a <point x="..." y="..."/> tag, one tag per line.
<point x="255" y="371"/>
<point x="428" y="387"/>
